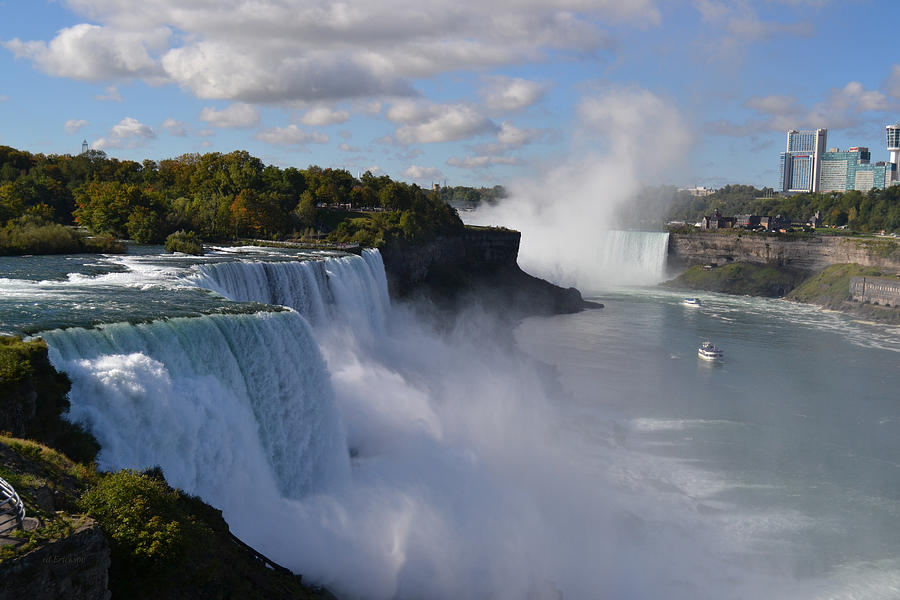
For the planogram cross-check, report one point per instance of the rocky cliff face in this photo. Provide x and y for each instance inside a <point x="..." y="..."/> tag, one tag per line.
<point x="33" y="396"/>
<point x="480" y="263"/>
<point x="75" y="567"/>
<point x="808" y="254"/>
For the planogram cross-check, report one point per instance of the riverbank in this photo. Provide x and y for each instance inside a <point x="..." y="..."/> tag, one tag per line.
<point x="829" y="288"/>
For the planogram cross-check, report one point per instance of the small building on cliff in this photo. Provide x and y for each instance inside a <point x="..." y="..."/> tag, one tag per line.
<point x="716" y="221"/>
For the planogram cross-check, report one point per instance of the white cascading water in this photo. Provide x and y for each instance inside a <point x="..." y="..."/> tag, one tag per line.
<point x="218" y="400"/>
<point x="351" y="290"/>
<point x="632" y="257"/>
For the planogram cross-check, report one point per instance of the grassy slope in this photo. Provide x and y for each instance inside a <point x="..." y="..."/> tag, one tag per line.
<point x="831" y="289"/>
<point x="739" y="278"/>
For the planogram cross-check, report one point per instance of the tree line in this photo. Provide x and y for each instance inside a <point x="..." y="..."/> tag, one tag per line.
<point x="471" y="197"/>
<point x="217" y="196"/>
<point x="865" y="212"/>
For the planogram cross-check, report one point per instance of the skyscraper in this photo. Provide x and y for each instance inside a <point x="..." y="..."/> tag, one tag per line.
<point x="852" y="170"/>
<point x="801" y="161"/>
<point x="838" y="172"/>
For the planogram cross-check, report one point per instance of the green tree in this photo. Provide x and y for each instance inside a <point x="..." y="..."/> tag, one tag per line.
<point x="145" y="226"/>
<point x="305" y="211"/>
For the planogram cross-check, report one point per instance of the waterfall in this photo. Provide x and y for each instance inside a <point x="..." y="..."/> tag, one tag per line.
<point x="632" y="257"/>
<point x="218" y="400"/>
<point x="349" y="289"/>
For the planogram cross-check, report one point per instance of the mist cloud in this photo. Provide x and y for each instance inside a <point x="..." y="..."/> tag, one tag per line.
<point x="564" y="212"/>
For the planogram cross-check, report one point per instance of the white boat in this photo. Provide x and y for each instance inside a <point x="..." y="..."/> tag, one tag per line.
<point x="708" y="351"/>
<point x="691" y="301"/>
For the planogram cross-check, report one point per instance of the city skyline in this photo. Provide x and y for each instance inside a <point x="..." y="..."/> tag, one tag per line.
<point x="427" y="92"/>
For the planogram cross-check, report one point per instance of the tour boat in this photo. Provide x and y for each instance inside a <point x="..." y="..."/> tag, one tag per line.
<point x="708" y="351"/>
<point x="691" y="301"/>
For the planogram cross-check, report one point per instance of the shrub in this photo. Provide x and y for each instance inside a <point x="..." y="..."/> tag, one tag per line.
<point x="104" y="243"/>
<point x="28" y="235"/>
<point x="187" y="242"/>
<point x="149" y="532"/>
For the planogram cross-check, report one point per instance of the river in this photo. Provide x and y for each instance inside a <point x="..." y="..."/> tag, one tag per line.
<point x="588" y="455"/>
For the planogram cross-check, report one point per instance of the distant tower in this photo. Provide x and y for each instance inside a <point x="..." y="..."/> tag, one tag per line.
<point x="893" y="146"/>
<point x="84" y="146"/>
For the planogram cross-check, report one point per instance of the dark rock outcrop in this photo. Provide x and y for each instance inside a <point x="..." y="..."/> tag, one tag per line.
<point x="479" y="265"/>
<point x="74" y="567"/>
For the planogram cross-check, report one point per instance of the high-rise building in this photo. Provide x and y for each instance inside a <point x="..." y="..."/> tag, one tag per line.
<point x="801" y="161"/>
<point x="851" y="170"/>
<point x="893" y="146"/>
<point x="838" y="172"/>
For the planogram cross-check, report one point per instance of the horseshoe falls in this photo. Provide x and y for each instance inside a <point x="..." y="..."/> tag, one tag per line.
<point x="570" y="456"/>
<point x="631" y="257"/>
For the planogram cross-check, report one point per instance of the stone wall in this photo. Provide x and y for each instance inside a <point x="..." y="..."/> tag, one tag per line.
<point x="74" y="568"/>
<point x="807" y="253"/>
<point x="877" y="290"/>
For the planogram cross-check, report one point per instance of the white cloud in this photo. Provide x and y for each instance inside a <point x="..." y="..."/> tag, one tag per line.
<point x="478" y="162"/>
<point x="4" y="98"/>
<point x="627" y="119"/>
<point x="91" y="52"/>
<point x="291" y="136"/>
<point x="420" y="173"/>
<point x="504" y="94"/>
<point x="513" y="137"/>
<point x="236" y="116"/>
<point x="409" y="111"/>
<point x="842" y="108"/>
<point x="175" y="127"/>
<point x="294" y="50"/>
<point x="855" y="97"/>
<point x="110" y="94"/>
<point x="323" y="116"/>
<point x="345" y="147"/>
<point x="438" y="122"/>
<point x="735" y="24"/>
<point x="74" y="125"/>
<point x="128" y="133"/>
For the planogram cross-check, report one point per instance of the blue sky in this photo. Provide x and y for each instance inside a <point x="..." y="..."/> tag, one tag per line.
<point x="472" y="93"/>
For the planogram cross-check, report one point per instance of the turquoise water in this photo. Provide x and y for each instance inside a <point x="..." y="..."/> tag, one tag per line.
<point x="791" y="445"/>
<point x="592" y="454"/>
<point x="46" y="292"/>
